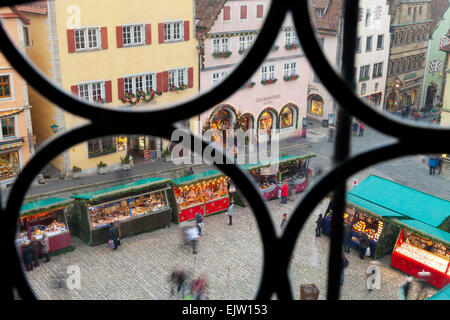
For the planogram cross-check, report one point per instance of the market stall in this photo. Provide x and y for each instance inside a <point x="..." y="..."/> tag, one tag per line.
<point x="48" y="216"/>
<point x="203" y="193"/>
<point x="134" y="207"/>
<point x="421" y="247"/>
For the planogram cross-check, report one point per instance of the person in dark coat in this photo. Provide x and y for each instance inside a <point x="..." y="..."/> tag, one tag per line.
<point x="27" y="256"/>
<point x="355" y="128"/>
<point x="199" y="221"/>
<point x="230" y="211"/>
<point x="345" y="264"/>
<point x="319" y="225"/>
<point x="361" y="128"/>
<point x="113" y="234"/>
<point x="36" y="247"/>
<point x="363" y="244"/>
<point x="432" y="163"/>
<point x="347" y="238"/>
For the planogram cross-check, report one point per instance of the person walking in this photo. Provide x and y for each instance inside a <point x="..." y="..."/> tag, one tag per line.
<point x="283" y="221"/>
<point x="177" y="278"/>
<point x="432" y="163"/>
<point x="284" y="192"/>
<point x="330" y="134"/>
<point x="361" y="128"/>
<point x="404" y="289"/>
<point x="198" y="287"/>
<point x="199" y="221"/>
<point x="27" y="256"/>
<point x="347" y="238"/>
<point x="36" y="247"/>
<point x="319" y="225"/>
<point x="439" y="163"/>
<point x="230" y="211"/>
<point x="355" y="128"/>
<point x="113" y="235"/>
<point x="45" y="246"/>
<point x="345" y="264"/>
<point x="192" y="235"/>
<point x="363" y="244"/>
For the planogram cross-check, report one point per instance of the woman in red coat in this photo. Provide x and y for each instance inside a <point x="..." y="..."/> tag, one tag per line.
<point x="284" y="192"/>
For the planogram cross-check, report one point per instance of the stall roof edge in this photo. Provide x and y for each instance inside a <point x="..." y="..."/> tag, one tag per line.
<point x="443" y="294"/>
<point x="43" y="205"/>
<point x="424" y="228"/>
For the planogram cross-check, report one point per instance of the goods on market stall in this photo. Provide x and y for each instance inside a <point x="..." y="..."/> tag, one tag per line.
<point x="109" y="213"/>
<point x="215" y="188"/>
<point x="189" y="195"/>
<point x="148" y="203"/>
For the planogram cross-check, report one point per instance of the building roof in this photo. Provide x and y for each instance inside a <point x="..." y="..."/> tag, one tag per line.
<point x="39" y="7"/>
<point x="437" y="8"/>
<point x="333" y="12"/>
<point x="401" y="199"/>
<point x="206" y="13"/>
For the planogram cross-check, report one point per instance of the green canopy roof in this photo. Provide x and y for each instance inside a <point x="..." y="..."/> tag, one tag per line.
<point x="383" y="193"/>
<point x="426" y="229"/>
<point x="139" y="184"/>
<point x="443" y="294"/>
<point x="372" y="207"/>
<point x="206" y="175"/>
<point x="282" y="159"/>
<point x="42" y="205"/>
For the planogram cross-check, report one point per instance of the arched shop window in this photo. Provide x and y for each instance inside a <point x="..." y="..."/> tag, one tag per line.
<point x="315" y="104"/>
<point x="266" y="120"/>
<point x="223" y="119"/>
<point x="246" y="122"/>
<point x="287" y="117"/>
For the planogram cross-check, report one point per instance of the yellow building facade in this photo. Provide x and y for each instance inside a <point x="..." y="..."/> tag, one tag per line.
<point x="114" y="53"/>
<point x="16" y="132"/>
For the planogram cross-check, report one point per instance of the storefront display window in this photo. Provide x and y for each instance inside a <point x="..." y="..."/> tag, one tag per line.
<point x="100" y="146"/>
<point x="266" y="121"/>
<point x="287" y="118"/>
<point x="214" y="189"/>
<point x="189" y="195"/>
<point x="9" y="165"/>
<point x="316" y="105"/>
<point x="221" y="120"/>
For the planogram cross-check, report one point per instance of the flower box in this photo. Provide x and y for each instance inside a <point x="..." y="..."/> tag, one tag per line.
<point x="269" y="81"/>
<point x="224" y="54"/>
<point x="250" y="85"/>
<point x="291" y="46"/>
<point x="291" y="78"/>
<point x="175" y="88"/>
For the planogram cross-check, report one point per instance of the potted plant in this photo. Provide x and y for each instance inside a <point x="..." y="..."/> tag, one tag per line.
<point x="102" y="167"/>
<point x="167" y="155"/>
<point x="126" y="162"/>
<point x="76" y="172"/>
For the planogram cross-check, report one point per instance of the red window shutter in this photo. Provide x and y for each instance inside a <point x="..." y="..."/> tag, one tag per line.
<point x="108" y="92"/>
<point x="190" y="77"/>
<point x="74" y="90"/>
<point x="148" y="34"/>
<point x="259" y="11"/>
<point x="120" y="88"/>
<point x="244" y="12"/>
<point x="161" y="32"/>
<point x="159" y="82"/>
<point x="104" y="32"/>
<point x="226" y="13"/>
<point x="71" y="40"/>
<point x="186" y="31"/>
<point x="119" y="36"/>
<point x="165" y="81"/>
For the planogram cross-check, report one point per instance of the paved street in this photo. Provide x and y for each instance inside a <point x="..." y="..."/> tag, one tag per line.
<point x="230" y="257"/>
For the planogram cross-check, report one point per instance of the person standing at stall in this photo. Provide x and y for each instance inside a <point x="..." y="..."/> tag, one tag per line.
<point x="284" y="192"/>
<point x="230" y="211"/>
<point x="361" y="128"/>
<point x="347" y="237"/>
<point x="113" y="235"/>
<point x="283" y="221"/>
<point x="45" y="246"/>
<point x="27" y="256"/>
<point x="36" y="247"/>
<point x="319" y="225"/>
<point x="199" y="221"/>
<point x="364" y="244"/>
<point x="432" y="163"/>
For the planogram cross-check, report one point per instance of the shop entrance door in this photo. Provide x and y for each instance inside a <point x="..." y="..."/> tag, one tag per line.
<point x="140" y="147"/>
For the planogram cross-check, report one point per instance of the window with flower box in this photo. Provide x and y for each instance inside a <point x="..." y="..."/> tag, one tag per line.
<point x="291" y="39"/>
<point x="268" y="74"/>
<point x="245" y="42"/>
<point x="173" y="31"/>
<point x="93" y="92"/>
<point x="87" y="38"/>
<point x="142" y="82"/>
<point x="133" y="34"/>
<point x="364" y="73"/>
<point x="177" y="79"/>
<point x="290" y="71"/>
<point x="101" y="146"/>
<point x="378" y="70"/>
<point x="221" y="47"/>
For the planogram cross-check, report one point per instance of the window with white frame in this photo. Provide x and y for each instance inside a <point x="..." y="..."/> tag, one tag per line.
<point x="218" y="76"/>
<point x="245" y="42"/>
<point x="141" y="82"/>
<point x="173" y="31"/>
<point x="133" y="34"/>
<point x="290" y="69"/>
<point x="364" y="73"/>
<point x="377" y="70"/>
<point x="221" y="45"/>
<point x="178" y="78"/>
<point x="87" y="38"/>
<point x="92" y="92"/>
<point x="363" y="88"/>
<point x="8" y="127"/>
<point x="290" y="37"/>
<point x="26" y="37"/>
<point x="268" y="72"/>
